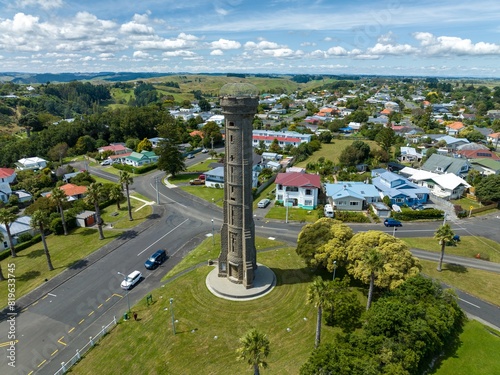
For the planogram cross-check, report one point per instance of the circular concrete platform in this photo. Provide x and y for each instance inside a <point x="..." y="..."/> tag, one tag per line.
<point x="264" y="283"/>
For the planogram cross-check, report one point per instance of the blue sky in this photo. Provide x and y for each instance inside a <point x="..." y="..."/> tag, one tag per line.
<point x="393" y="37"/>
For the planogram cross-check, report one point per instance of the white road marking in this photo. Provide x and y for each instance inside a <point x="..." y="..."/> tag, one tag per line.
<point x="50" y="294"/>
<point x="470" y="303"/>
<point x="162" y="237"/>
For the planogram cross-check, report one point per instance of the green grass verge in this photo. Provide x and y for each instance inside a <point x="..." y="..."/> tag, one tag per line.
<point x="202" y="166"/>
<point x="294" y="214"/>
<point x="149" y="346"/>
<point x="482" y="284"/>
<point x="469" y="246"/>
<point x="477" y="354"/>
<point x="213" y="195"/>
<point x="31" y="268"/>
<point x="466" y="203"/>
<point x="119" y="218"/>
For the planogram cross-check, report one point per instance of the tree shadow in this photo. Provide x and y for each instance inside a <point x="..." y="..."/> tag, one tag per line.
<point x="88" y="231"/>
<point x="290" y="276"/>
<point x="153" y="216"/>
<point x="28" y="275"/>
<point x="35" y="254"/>
<point x="456" y="268"/>
<point x="78" y="264"/>
<point x="127" y="235"/>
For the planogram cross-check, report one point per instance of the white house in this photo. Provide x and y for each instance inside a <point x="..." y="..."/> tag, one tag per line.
<point x="5" y="192"/>
<point x="215" y="178"/>
<point x="351" y="196"/>
<point x="298" y="189"/>
<point x="20" y="226"/>
<point x="33" y="163"/>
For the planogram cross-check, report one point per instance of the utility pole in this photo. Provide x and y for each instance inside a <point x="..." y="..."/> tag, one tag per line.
<point x="212" y="141"/>
<point x="286" y="207"/>
<point x="157" y="191"/>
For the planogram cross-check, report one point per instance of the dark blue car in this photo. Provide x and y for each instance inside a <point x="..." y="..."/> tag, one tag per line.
<point x="156" y="259"/>
<point x="392" y="223"/>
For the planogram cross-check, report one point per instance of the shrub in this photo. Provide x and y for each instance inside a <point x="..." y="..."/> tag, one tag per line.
<point x="20" y="247"/>
<point x="25" y="237"/>
<point x="56" y="226"/>
<point x="408" y="214"/>
<point x="352" y="217"/>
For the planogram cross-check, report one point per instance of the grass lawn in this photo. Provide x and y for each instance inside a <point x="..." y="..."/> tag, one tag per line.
<point x="482" y="284"/>
<point x="333" y="150"/>
<point x="202" y="166"/>
<point x="466" y="203"/>
<point x="183" y="178"/>
<point x="469" y="246"/>
<point x="294" y="214"/>
<point x="206" y="336"/>
<point x="119" y="218"/>
<point x="213" y="195"/>
<point x="477" y="354"/>
<point x="65" y="251"/>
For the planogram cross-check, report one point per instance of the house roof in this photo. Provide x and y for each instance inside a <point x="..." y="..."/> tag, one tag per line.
<point x="488" y="163"/>
<point x="299" y="180"/>
<point x="20" y="225"/>
<point x="34" y="159"/>
<point x="479" y="154"/>
<point x="445" y="163"/>
<point x="457" y="125"/>
<point x="216" y="172"/>
<point x="451" y="140"/>
<point x="272" y="138"/>
<point x="494" y="135"/>
<point x="353" y="189"/>
<point x="447" y="180"/>
<point x="6" y="172"/>
<point x="113" y="148"/>
<point x="71" y="190"/>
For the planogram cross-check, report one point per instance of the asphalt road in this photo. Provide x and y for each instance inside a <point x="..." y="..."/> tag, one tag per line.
<point x="58" y="319"/>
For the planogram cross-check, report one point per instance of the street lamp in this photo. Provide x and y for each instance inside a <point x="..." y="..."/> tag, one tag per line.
<point x="213" y="238"/>
<point x="334" y="269"/>
<point x="286" y="207"/>
<point x="128" y="300"/>
<point x="394" y="231"/>
<point x="172" y="313"/>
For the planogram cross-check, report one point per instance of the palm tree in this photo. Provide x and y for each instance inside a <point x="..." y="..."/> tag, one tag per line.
<point x="126" y="180"/>
<point x="58" y="196"/>
<point x="7" y="217"/>
<point x="318" y="294"/>
<point x="40" y="220"/>
<point x="444" y="234"/>
<point x="116" y="194"/>
<point x="254" y="349"/>
<point x="94" y="196"/>
<point x="374" y="262"/>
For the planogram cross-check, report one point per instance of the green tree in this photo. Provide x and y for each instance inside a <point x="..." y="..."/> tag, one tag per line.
<point x="334" y="250"/>
<point x="2" y="277"/>
<point x="211" y="134"/>
<point x="58" y="196"/>
<point x="274" y="146"/>
<point x="379" y="259"/>
<point x="7" y="217"/>
<point x="204" y="105"/>
<point x="94" y="197"/>
<point x="116" y="194"/>
<point x="126" y="180"/>
<point x="171" y="159"/>
<point x="145" y="144"/>
<point x="488" y="190"/>
<point x="444" y="235"/>
<point x="385" y="138"/>
<point x="40" y="220"/>
<point x="343" y="309"/>
<point x="254" y="349"/>
<point x="58" y="152"/>
<point x="318" y="294"/>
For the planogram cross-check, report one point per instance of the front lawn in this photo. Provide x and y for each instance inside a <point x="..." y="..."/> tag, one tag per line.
<point x="294" y="214"/>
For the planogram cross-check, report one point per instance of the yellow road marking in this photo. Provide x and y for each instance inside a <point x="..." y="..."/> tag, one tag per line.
<point x="8" y="343"/>
<point x="41" y="363"/>
<point x="108" y="299"/>
<point x="118" y="295"/>
<point x="99" y="306"/>
<point x="23" y="310"/>
<point x="60" y="342"/>
<point x="31" y="372"/>
<point x="91" y="313"/>
<point x="45" y="296"/>
<point x="55" y="351"/>
<point x="81" y="321"/>
<point x="71" y="330"/>
<point x="34" y="303"/>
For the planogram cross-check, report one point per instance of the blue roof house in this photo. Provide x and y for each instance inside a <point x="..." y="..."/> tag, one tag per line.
<point x="351" y="196"/>
<point x="400" y="190"/>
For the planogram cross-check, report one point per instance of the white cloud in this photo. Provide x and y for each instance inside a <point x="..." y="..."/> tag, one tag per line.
<point x="390" y="49"/>
<point x="136" y="28"/>
<point x="44" y="4"/>
<point x="262" y="45"/>
<point x="225" y="44"/>
<point x="337" y="51"/>
<point x="183" y="41"/>
<point x="179" y="53"/>
<point x="216" y="52"/>
<point x="448" y="45"/>
<point x="141" y="55"/>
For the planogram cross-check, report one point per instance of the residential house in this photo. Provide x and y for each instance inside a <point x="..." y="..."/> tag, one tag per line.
<point x="5" y="192"/>
<point x="454" y="128"/>
<point x="298" y="189"/>
<point x="138" y="159"/>
<point x="445" y="186"/>
<point x="271" y="156"/>
<point x="155" y="142"/>
<point x="452" y="143"/>
<point x="284" y="138"/>
<point x="478" y="154"/>
<point x="20" y="226"/>
<point x="410" y="154"/>
<point x="472" y="146"/>
<point x="85" y="219"/>
<point x="7" y="175"/>
<point x="23" y="196"/>
<point x="351" y="196"/>
<point x="34" y="163"/>
<point x="116" y="148"/>
<point x="486" y="166"/>
<point x="494" y="138"/>
<point x="215" y="178"/>
<point x="381" y="210"/>
<point x="399" y="189"/>
<point x="72" y="191"/>
<point x="445" y="164"/>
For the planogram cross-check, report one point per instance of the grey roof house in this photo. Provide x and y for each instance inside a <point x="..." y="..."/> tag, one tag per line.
<point x="444" y="164"/>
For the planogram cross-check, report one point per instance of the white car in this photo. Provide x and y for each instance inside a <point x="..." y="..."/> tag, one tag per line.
<point x="263" y="203"/>
<point x="131" y="280"/>
<point x="204" y="151"/>
<point x="107" y="162"/>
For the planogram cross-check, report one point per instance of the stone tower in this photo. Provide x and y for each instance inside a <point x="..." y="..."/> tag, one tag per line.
<point x="238" y="258"/>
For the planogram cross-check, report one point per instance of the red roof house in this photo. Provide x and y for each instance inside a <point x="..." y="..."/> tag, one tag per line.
<point x="298" y="189"/>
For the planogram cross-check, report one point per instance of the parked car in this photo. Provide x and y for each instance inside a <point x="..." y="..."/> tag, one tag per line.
<point x="204" y="150"/>
<point x="196" y="181"/>
<point x="132" y="279"/>
<point x="107" y="162"/>
<point x="202" y="177"/>
<point x="190" y="156"/>
<point x="156" y="259"/>
<point x="392" y="223"/>
<point x="263" y="203"/>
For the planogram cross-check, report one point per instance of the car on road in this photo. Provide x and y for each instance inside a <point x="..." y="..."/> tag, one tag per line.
<point x="392" y="223"/>
<point x="190" y="156"/>
<point x="197" y="181"/>
<point x="204" y="150"/>
<point x="107" y="162"/>
<point x="263" y="203"/>
<point x="132" y="279"/>
<point x="156" y="259"/>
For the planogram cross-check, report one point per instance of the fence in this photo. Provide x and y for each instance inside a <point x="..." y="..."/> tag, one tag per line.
<point x="65" y="366"/>
<point x="484" y="208"/>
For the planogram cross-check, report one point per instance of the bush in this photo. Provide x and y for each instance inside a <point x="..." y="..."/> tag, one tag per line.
<point x="56" y="226"/>
<point x="351" y="217"/>
<point x="408" y="214"/>
<point x="20" y="247"/>
<point x="25" y="237"/>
